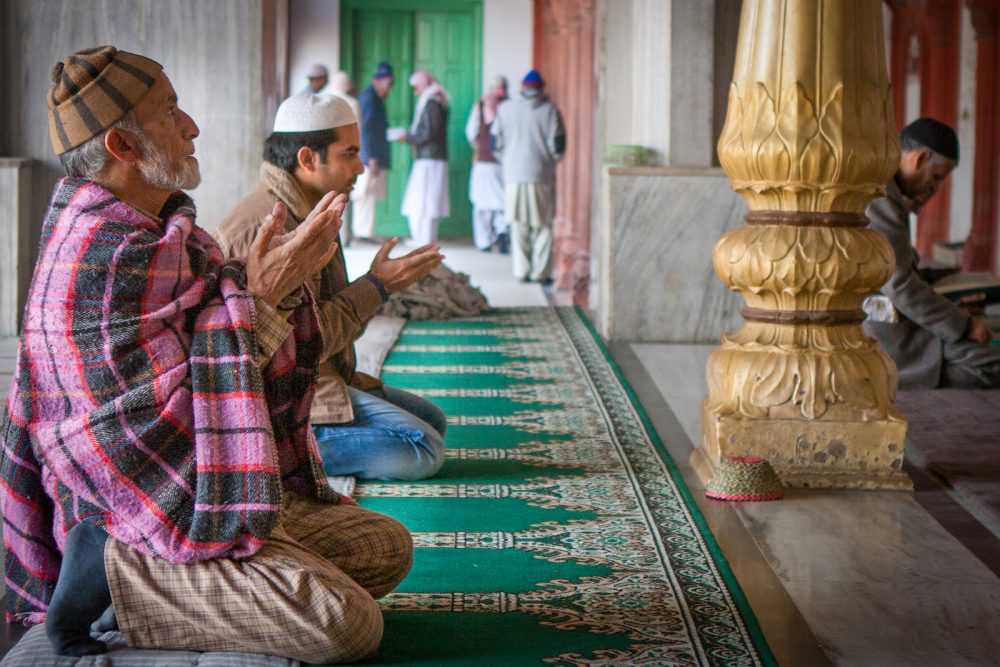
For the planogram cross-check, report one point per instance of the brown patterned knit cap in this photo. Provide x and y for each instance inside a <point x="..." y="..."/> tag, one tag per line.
<point x="92" y="90"/>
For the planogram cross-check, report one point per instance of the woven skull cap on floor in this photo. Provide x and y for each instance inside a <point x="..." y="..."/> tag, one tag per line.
<point x="745" y="478"/>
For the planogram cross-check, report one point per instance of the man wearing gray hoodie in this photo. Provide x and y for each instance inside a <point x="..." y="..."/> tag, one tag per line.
<point x="529" y="138"/>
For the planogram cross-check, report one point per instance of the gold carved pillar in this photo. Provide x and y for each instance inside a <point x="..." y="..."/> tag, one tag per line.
<point x="809" y="140"/>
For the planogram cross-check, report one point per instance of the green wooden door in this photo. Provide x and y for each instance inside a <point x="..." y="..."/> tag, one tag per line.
<point x="388" y="36"/>
<point x="443" y="44"/>
<point x="443" y="37"/>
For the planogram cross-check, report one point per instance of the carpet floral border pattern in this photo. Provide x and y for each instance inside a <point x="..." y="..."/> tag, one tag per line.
<point x="669" y="591"/>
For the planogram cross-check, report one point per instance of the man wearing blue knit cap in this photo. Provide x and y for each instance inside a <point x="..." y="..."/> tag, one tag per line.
<point x="529" y="138"/>
<point x="375" y="153"/>
<point x="934" y="341"/>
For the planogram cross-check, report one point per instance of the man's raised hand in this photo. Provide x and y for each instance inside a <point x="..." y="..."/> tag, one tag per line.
<point x="330" y="202"/>
<point x="400" y="273"/>
<point x="278" y="263"/>
<point x="979" y="330"/>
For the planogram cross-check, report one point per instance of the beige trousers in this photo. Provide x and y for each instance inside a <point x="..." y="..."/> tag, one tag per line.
<point x="308" y="594"/>
<point x="529" y="209"/>
<point x="368" y="192"/>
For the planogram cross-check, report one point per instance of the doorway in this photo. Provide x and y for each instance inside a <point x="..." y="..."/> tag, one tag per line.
<point x="443" y="37"/>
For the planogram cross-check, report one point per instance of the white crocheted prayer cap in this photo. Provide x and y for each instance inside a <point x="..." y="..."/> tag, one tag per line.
<point x="309" y="113"/>
<point x="317" y="72"/>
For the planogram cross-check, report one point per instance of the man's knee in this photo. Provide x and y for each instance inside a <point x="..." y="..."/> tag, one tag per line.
<point x="966" y="377"/>
<point x="978" y="367"/>
<point x="435" y="458"/>
<point x="422" y="409"/>
<point x="396" y="556"/>
<point x="427" y="456"/>
<point x="424" y="446"/>
<point x="436" y="417"/>
<point x="402" y="541"/>
<point x="352" y="636"/>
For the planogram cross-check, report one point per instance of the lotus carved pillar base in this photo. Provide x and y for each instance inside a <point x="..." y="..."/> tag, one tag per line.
<point x="814" y="399"/>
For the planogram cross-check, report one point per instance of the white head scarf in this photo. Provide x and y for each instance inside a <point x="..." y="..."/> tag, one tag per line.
<point x="427" y="87"/>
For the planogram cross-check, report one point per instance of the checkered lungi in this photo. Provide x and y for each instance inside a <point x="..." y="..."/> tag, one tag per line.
<point x="308" y="594"/>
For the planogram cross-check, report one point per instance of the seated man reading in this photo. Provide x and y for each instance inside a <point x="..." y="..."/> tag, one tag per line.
<point x="934" y="342"/>
<point x="158" y="467"/>
<point x="364" y="428"/>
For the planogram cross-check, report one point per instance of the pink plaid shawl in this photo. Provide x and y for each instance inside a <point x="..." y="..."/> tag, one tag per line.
<point x="137" y="403"/>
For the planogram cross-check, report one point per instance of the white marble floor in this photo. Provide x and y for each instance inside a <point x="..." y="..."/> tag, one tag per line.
<point x="848" y="578"/>
<point x="878" y="580"/>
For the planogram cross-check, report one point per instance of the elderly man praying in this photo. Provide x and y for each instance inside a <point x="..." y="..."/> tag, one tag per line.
<point x="158" y="466"/>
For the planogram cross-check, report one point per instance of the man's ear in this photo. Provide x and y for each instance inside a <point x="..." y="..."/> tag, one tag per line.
<point x="913" y="160"/>
<point x="122" y="146"/>
<point x="306" y="158"/>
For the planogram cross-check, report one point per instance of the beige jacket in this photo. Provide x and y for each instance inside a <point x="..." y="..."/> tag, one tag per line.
<point x="343" y="308"/>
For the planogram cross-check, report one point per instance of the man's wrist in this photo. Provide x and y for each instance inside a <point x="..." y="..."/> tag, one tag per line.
<point x="265" y="298"/>
<point x="271" y="327"/>
<point x="380" y="285"/>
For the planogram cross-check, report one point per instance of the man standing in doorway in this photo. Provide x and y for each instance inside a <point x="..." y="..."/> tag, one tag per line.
<point x="374" y="151"/>
<point x="486" y="180"/>
<point x="426" y="199"/>
<point x="529" y="138"/>
<point x="934" y="342"/>
<point x="318" y="77"/>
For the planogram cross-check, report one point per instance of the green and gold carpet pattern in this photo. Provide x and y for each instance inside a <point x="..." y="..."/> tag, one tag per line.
<point x="558" y="531"/>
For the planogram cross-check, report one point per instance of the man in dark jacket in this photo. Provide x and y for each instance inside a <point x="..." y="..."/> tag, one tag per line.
<point x="934" y="342"/>
<point x="426" y="199"/>
<point x="375" y="153"/>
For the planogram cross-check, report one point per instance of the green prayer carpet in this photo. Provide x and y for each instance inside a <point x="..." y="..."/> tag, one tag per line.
<point x="559" y="531"/>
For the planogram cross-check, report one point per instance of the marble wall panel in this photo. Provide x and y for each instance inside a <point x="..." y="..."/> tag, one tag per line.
<point x="692" y="50"/>
<point x="15" y="249"/>
<point x="210" y="50"/>
<point x="653" y="270"/>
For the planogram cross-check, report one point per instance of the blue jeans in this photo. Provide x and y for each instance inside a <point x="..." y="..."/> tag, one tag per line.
<point x="394" y="435"/>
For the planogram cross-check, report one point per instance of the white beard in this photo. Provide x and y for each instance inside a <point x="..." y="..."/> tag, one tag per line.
<point x="159" y="172"/>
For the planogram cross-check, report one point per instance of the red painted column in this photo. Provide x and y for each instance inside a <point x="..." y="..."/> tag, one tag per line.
<point x="564" y="55"/>
<point x="939" y="99"/>
<point x="981" y="246"/>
